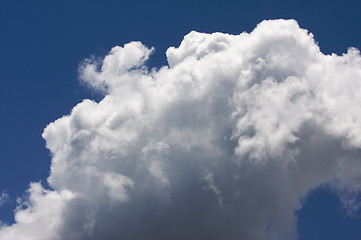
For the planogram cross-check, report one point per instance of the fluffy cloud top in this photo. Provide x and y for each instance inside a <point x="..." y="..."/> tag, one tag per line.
<point x="221" y="144"/>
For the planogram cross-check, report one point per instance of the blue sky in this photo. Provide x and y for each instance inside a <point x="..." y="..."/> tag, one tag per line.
<point x="42" y="44"/>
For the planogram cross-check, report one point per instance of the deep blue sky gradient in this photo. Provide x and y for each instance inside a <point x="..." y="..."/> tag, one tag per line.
<point x="43" y="42"/>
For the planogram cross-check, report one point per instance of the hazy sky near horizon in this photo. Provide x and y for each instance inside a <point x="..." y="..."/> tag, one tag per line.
<point x="201" y="120"/>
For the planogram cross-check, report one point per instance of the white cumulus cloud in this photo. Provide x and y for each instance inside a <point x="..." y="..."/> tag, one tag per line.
<point x="224" y="143"/>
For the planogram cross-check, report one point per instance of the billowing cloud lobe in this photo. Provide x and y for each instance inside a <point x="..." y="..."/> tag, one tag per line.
<point x="224" y="143"/>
